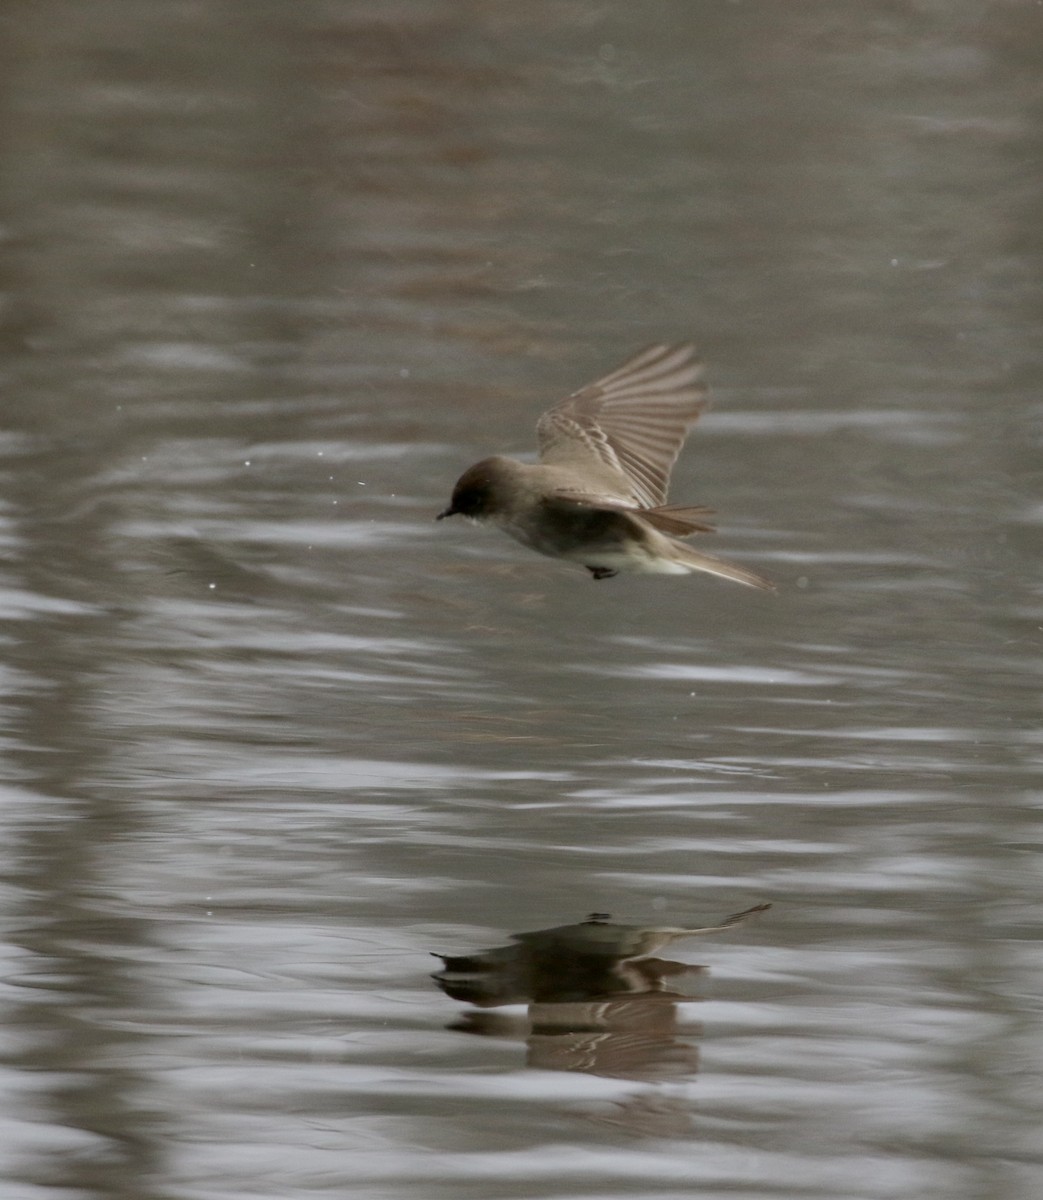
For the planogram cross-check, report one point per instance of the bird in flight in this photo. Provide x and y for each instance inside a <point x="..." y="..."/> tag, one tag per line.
<point x="597" y="496"/>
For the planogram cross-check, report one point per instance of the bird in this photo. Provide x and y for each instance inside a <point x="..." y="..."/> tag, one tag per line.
<point x="597" y="496"/>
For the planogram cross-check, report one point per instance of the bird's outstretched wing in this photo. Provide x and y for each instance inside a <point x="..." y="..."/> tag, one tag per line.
<point x="632" y="421"/>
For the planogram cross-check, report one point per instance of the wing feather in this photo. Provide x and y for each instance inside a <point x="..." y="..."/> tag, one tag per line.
<point x="632" y="421"/>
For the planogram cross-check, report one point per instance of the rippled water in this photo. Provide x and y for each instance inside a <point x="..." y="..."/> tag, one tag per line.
<point x="272" y="737"/>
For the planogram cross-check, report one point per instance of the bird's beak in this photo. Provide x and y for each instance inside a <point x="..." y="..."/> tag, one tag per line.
<point x="446" y="513"/>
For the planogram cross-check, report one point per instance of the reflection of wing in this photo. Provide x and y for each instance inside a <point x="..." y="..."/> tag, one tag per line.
<point x="632" y="421"/>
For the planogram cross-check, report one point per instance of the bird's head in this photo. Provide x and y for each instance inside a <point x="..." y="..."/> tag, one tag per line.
<point x="477" y="493"/>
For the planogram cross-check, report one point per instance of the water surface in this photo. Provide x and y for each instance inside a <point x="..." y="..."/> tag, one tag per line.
<point x="272" y="736"/>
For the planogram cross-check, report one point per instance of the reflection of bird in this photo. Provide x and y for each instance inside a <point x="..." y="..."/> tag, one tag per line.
<point x="598" y="494"/>
<point x="593" y="958"/>
<point x="598" y="1001"/>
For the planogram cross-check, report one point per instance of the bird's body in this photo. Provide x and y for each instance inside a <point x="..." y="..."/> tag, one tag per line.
<point x="552" y="522"/>
<point x="598" y="494"/>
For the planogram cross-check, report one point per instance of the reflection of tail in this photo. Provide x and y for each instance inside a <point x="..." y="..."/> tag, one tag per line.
<point x="727" y="923"/>
<point x="694" y="560"/>
<point x="735" y="918"/>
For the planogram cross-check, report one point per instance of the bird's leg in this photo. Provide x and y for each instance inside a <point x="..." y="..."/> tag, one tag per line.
<point x="602" y="572"/>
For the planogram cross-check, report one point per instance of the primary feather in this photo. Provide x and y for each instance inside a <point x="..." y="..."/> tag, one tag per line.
<point x="632" y="421"/>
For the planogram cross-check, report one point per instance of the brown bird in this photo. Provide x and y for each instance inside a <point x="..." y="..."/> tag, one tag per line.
<point x="598" y="494"/>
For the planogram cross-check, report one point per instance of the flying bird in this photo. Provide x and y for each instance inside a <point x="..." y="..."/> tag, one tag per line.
<point x="598" y="494"/>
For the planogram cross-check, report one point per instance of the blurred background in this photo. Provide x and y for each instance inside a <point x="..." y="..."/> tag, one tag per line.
<point x="272" y="275"/>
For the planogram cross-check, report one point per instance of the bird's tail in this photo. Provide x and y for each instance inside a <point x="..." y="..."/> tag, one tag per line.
<point x="694" y="560"/>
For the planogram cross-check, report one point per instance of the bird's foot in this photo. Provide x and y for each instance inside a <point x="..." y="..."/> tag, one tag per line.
<point x="602" y="572"/>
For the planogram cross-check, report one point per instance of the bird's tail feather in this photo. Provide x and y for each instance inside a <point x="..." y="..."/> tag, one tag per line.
<point x="695" y="561"/>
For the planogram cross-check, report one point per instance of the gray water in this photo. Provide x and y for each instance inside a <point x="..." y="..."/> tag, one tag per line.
<point x="273" y="275"/>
